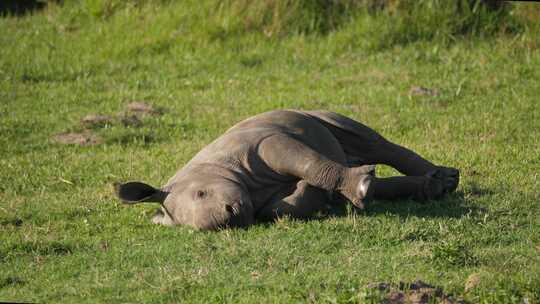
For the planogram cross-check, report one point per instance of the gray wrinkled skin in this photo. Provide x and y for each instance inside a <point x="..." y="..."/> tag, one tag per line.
<point x="291" y="163"/>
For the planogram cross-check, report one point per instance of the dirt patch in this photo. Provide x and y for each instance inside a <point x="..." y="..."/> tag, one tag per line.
<point x="96" y="121"/>
<point x="417" y="292"/>
<point x="130" y="120"/>
<point x="422" y="91"/>
<point x="85" y="138"/>
<point x="143" y="108"/>
<point x="131" y="116"/>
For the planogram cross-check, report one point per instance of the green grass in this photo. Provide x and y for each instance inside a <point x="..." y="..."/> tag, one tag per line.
<point x="65" y="238"/>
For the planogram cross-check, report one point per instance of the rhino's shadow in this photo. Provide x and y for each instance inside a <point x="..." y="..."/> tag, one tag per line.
<point x="20" y="7"/>
<point x="455" y="205"/>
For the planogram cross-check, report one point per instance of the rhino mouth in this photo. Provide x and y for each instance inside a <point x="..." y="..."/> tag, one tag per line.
<point x="234" y="214"/>
<point x="162" y="217"/>
<point x="239" y="221"/>
<point x="239" y="215"/>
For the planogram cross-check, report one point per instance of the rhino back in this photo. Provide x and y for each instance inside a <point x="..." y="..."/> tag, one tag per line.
<point x="301" y="126"/>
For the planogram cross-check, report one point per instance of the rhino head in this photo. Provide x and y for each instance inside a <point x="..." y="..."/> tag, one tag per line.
<point x="202" y="200"/>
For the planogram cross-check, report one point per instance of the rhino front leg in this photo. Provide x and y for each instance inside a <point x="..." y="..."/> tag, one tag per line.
<point x="302" y="203"/>
<point x="288" y="156"/>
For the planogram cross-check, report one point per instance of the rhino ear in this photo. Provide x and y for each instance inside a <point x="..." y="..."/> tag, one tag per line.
<point x="136" y="192"/>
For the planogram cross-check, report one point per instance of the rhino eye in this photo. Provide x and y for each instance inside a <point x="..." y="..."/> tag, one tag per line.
<point x="200" y="194"/>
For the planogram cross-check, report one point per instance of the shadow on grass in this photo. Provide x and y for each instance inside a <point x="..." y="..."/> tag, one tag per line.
<point x="455" y="205"/>
<point x="11" y="281"/>
<point x="43" y="248"/>
<point x="20" y="7"/>
<point x="11" y="221"/>
<point x="133" y="138"/>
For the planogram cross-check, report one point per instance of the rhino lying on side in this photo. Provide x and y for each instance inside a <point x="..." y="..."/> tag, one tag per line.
<point x="291" y="163"/>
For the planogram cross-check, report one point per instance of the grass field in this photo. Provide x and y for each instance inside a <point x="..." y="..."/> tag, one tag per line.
<point x="65" y="238"/>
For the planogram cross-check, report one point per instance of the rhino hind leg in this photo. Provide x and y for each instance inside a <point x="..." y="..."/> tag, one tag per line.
<point x="410" y="163"/>
<point x="437" y="181"/>
<point x="431" y="186"/>
<point x="363" y="146"/>
<point x="303" y="203"/>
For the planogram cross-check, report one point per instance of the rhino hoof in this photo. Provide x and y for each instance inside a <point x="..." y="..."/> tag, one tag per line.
<point x="440" y="182"/>
<point x="433" y="187"/>
<point x="449" y="177"/>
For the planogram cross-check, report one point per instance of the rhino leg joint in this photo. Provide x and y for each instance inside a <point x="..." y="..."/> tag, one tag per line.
<point x="357" y="185"/>
<point x="317" y="170"/>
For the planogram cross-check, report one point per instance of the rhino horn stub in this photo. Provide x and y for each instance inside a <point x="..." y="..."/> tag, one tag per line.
<point x="137" y="192"/>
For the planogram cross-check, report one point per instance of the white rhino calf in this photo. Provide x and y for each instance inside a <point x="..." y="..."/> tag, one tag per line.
<point x="291" y="163"/>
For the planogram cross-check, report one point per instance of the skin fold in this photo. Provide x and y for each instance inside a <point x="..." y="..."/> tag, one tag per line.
<point x="288" y="163"/>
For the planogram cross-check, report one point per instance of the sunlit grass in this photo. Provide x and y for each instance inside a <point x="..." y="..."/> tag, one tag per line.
<point x="64" y="237"/>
